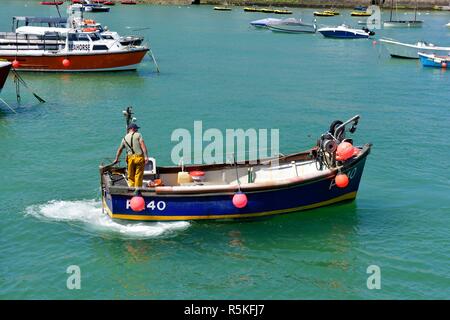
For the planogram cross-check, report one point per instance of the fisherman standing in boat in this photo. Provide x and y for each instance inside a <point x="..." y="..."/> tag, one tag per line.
<point x="137" y="156"/>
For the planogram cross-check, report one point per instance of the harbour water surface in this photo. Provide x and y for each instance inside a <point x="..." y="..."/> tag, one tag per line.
<point x="216" y="68"/>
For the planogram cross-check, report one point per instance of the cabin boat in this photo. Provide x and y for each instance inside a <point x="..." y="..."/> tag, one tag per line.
<point x="292" y="25"/>
<point x="73" y="45"/>
<point x="5" y="67"/>
<point x="222" y="8"/>
<point x="287" y="183"/>
<point x="411" y="51"/>
<point x="432" y="60"/>
<point x="345" y="32"/>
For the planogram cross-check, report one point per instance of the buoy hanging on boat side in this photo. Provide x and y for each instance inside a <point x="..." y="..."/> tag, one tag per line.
<point x="341" y="180"/>
<point x="15" y="64"/>
<point x="66" y="63"/>
<point x="137" y="203"/>
<point x="344" y="151"/>
<point x="444" y="64"/>
<point x="240" y="200"/>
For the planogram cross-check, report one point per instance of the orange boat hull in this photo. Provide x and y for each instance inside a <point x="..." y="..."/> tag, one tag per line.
<point x="79" y="62"/>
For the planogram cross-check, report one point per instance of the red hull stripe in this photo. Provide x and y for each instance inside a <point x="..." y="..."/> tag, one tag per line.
<point x="79" y="62"/>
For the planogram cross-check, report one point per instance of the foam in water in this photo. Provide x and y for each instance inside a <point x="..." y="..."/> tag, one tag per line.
<point x="90" y="213"/>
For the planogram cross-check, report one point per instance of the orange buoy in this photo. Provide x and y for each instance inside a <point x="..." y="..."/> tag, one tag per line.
<point x="66" y="62"/>
<point x="444" y="65"/>
<point x="344" y="151"/>
<point x="240" y="200"/>
<point x="137" y="203"/>
<point x="341" y="180"/>
<point x="15" y="64"/>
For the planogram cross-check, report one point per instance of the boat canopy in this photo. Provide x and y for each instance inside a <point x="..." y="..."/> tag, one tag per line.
<point x="40" y="31"/>
<point x="48" y="21"/>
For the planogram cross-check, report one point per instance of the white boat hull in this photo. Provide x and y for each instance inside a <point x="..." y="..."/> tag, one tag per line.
<point x="411" y="51"/>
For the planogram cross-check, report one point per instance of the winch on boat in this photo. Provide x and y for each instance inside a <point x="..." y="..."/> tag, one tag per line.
<point x="328" y="173"/>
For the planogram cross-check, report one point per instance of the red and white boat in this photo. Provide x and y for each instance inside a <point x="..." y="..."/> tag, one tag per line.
<point x="70" y="49"/>
<point x="5" y="66"/>
<point x="129" y="2"/>
<point x="52" y="3"/>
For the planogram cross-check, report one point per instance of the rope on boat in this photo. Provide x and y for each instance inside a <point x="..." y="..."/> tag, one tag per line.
<point x="19" y="79"/>
<point x="150" y="52"/>
<point x="6" y="104"/>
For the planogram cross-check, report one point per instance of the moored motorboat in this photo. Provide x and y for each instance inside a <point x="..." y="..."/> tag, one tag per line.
<point x="305" y="180"/>
<point x="432" y="60"/>
<point x="345" y="32"/>
<point x="326" y="13"/>
<point x="292" y="25"/>
<point x="282" y="11"/>
<point x="360" y="14"/>
<point x="222" y="8"/>
<point x="128" y="2"/>
<point x="263" y="23"/>
<point x="411" y="51"/>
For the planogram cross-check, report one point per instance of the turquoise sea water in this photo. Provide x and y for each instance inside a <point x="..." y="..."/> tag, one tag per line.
<point x="216" y="68"/>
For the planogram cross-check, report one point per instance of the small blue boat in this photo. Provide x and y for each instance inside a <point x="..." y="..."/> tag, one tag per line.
<point x="345" y="32"/>
<point x="432" y="60"/>
<point x="305" y="180"/>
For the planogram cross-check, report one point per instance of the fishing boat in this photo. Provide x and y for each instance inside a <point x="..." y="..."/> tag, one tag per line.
<point x="411" y="51"/>
<point x="392" y="23"/>
<point x="263" y="23"/>
<point x="345" y="32"/>
<point x="292" y="25"/>
<point x="5" y="67"/>
<point x="432" y="60"/>
<point x="70" y="49"/>
<point x="326" y="174"/>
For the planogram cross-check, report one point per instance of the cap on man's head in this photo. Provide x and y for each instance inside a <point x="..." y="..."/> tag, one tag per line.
<point x="133" y="126"/>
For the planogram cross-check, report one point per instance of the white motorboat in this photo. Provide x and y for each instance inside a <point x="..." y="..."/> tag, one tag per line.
<point x="262" y="23"/>
<point x="345" y="32"/>
<point x="292" y="25"/>
<point x="411" y="51"/>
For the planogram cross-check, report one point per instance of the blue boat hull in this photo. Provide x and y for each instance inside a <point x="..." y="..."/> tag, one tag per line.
<point x="343" y="35"/>
<point x="302" y="196"/>
<point x="428" y="62"/>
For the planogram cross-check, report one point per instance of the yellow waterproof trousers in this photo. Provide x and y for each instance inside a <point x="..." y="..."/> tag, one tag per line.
<point x="136" y="165"/>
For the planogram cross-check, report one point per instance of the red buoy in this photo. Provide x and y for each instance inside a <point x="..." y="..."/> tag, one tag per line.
<point x="137" y="203"/>
<point x="240" y="200"/>
<point x="15" y="64"/>
<point x="444" y="64"/>
<point x="341" y="180"/>
<point x="66" y="63"/>
<point x="344" y="151"/>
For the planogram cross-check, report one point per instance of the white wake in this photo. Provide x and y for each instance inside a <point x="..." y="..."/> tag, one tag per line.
<point x="89" y="213"/>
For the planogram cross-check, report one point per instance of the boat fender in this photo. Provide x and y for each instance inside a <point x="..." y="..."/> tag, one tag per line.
<point x="137" y="203"/>
<point x="345" y="151"/>
<point x="15" y="64"/>
<point x="66" y="62"/>
<point x="341" y="180"/>
<point x="444" y="65"/>
<point x="240" y="200"/>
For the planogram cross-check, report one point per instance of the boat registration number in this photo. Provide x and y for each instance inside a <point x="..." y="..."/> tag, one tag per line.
<point x="152" y="205"/>
<point x="79" y="47"/>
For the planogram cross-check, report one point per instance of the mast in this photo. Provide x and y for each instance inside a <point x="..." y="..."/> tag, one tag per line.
<point x="415" y="10"/>
<point x="392" y="8"/>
